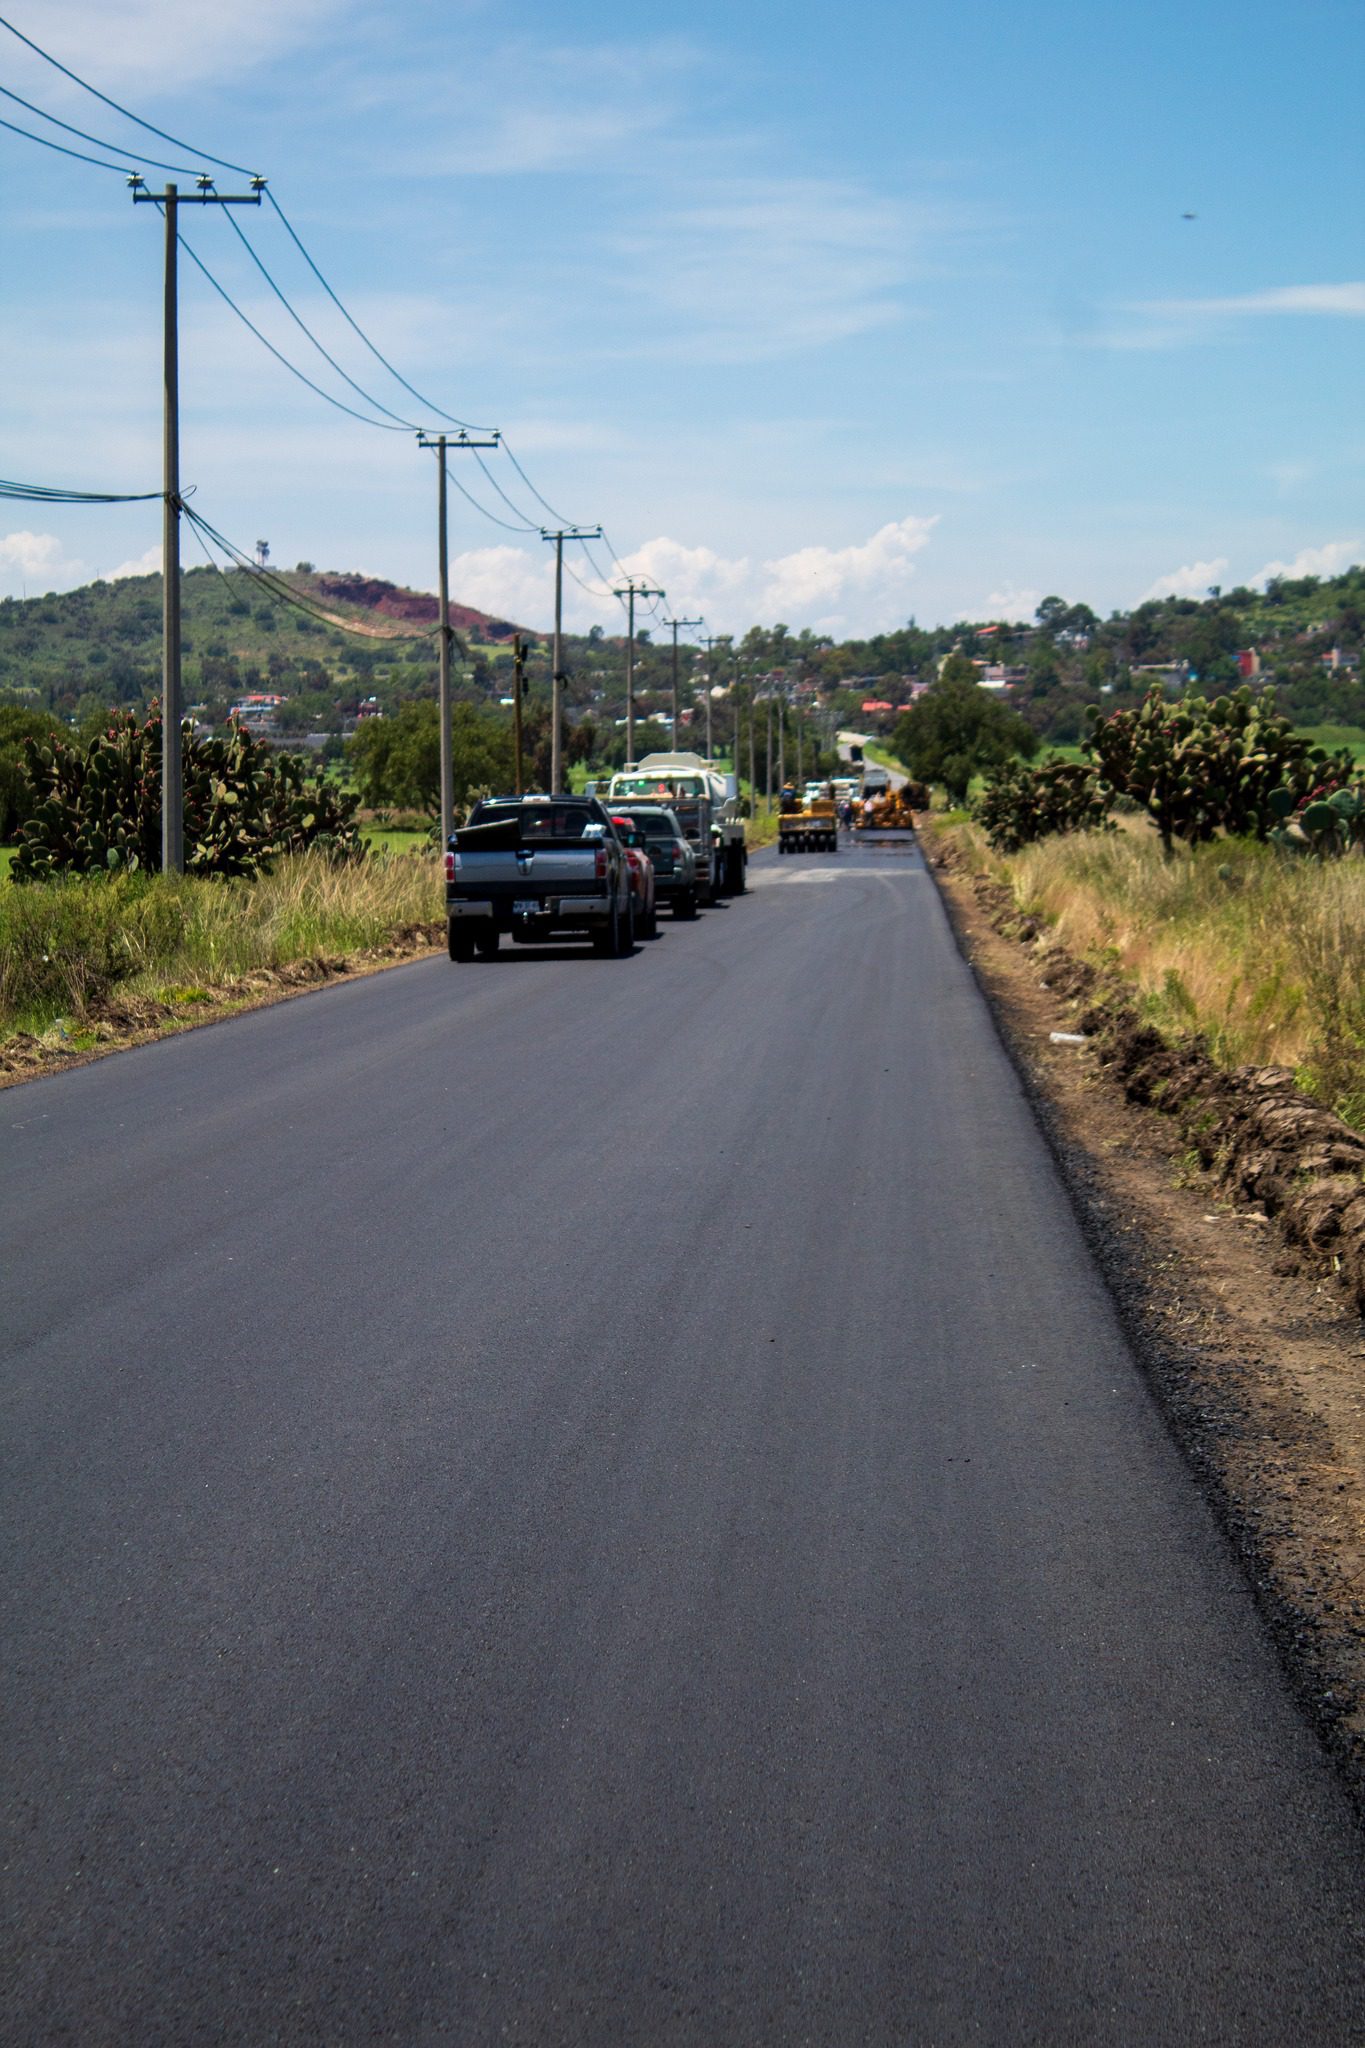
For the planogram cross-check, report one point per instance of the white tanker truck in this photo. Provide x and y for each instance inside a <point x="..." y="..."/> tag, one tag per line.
<point x="706" y="804"/>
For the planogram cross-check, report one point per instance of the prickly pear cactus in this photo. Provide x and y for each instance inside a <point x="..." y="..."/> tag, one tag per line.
<point x="1199" y="768"/>
<point x="98" y="807"/>
<point x="1019" y="805"/>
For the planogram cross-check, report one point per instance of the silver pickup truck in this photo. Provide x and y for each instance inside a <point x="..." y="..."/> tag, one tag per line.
<point x="539" y="868"/>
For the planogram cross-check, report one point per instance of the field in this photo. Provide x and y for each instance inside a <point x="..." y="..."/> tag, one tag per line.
<point x="1264" y="955"/>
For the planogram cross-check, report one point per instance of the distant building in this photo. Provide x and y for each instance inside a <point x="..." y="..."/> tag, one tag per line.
<point x="257" y="712"/>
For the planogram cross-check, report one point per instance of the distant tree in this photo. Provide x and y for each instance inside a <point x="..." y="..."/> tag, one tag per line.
<point x="958" y="730"/>
<point x="397" y="760"/>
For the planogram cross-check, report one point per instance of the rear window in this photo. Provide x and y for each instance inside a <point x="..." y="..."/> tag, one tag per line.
<point x="546" y="820"/>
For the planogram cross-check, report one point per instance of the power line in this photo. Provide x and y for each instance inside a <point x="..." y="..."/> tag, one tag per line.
<point x="175" y="141"/>
<point x="304" y="328"/>
<point x="97" y="141"/>
<point x="57" y="494"/>
<point x="278" y="589"/>
<point x="527" y="526"/>
<point x="505" y="524"/>
<point x="358" y="329"/>
<point x="293" y="368"/>
<point x="62" y="150"/>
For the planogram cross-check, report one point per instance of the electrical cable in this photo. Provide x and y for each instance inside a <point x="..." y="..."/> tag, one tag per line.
<point x="506" y="524"/>
<point x="97" y="141"/>
<point x="304" y="328"/>
<point x="358" y="329"/>
<point x="560" y="516"/>
<point x="280" y="590"/>
<point x="57" y="494"/>
<point x="127" y="112"/>
<point x="293" y="368"/>
<point x="62" y="150"/>
<point x="528" y="526"/>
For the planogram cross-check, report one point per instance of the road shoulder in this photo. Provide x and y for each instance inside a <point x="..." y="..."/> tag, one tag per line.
<point x="1258" y="1365"/>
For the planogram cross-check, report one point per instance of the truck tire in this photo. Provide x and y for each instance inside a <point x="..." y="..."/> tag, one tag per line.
<point x="487" y="941"/>
<point x="735" y="880"/>
<point x="685" y="905"/>
<point x="607" y="943"/>
<point x="459" y="939"/>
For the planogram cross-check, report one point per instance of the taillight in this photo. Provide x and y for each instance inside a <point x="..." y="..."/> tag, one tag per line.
<point x="452" y="862"/>
<point x="601" y="866"/>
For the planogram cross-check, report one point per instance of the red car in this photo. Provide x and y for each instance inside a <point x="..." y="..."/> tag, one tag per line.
<point x="641" y="876"/>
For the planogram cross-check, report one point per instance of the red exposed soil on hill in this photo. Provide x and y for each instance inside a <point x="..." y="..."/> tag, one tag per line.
<point x="414" y="607"/>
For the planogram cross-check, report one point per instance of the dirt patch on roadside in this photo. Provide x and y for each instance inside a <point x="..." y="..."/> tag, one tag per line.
<point x="125" y="1019"/>
<point x="1228" y="1214"/>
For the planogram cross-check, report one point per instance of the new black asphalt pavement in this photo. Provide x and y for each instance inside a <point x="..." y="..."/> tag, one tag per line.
<point x="561" y="1501"/>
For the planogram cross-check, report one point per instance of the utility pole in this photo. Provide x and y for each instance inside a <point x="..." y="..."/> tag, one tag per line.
<point x="768" y="765"/>
<point x="518" y="686"/>
<point x="559" y="536"/>
<point x="708" y="641"/>
<point x="753" y="772"/>
<point x="632" y="591"/>
<point x="675" y="623"/>
<point x="172" y="752"/>
<point x="442" y="442"/>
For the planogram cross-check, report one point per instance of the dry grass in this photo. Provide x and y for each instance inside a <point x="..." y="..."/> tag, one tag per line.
<point x="66" y="946"/>
<point x="1264" y="954"/>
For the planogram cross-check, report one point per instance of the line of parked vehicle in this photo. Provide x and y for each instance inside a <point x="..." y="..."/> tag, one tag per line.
<point x="540" y="868"/>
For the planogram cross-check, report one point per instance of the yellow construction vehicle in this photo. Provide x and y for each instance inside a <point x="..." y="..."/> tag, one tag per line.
<point x="807" y="826"/>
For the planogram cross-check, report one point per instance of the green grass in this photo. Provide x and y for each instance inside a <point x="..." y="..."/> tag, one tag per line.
<point x="1262" y="954"/>
<point x="1335" y="736"/>
<point x="68" y="948"/>
<point x="396" y="839"/>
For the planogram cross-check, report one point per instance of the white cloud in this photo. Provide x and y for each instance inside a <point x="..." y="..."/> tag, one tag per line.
<point x="1342" y="300"/>
<point x="509" y="583"/>
<point x="534" y="107"/>
<point x="146" y="564"/>
<point x="36" y="563"/>
<point x="754" y="268"/>
<point x="1193" y="580"/>
<point x="1331" y="559"/>
<point x="860" y="589"/>
<point x="1018" y="606"/>
<point x="162" y="45"/>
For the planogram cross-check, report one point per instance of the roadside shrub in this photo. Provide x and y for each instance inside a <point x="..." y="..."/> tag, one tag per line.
<point x="1199" y="768"/>
<point x="1019" y="805"/>
<point x="97" y="808"/>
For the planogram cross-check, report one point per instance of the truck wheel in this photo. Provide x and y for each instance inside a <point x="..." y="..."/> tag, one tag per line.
<point x="685" y="905"/>
<point x="607" y="943"/>
<point x="781" y="846"/>
<point x="461" y="941"/>
<point x="487" y="941"/>
<point x="737" y="883"/>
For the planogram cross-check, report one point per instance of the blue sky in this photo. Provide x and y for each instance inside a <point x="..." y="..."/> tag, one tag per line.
<point x="829" y="316"/>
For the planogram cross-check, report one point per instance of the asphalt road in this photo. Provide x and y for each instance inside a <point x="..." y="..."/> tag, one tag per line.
<point x="578" y="1501"/>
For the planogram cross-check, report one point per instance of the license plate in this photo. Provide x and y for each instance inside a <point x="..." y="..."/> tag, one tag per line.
<point x="529" y="908"/>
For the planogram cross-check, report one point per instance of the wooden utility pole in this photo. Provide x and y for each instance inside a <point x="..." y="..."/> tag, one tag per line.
<point x="172" y="749"/>
<point x="518" y="686"/>
<point x="675" y="623"/>
<point x="442" y="442"/>
<point x="559" y="536"/>
<point x="632" y="591"/>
